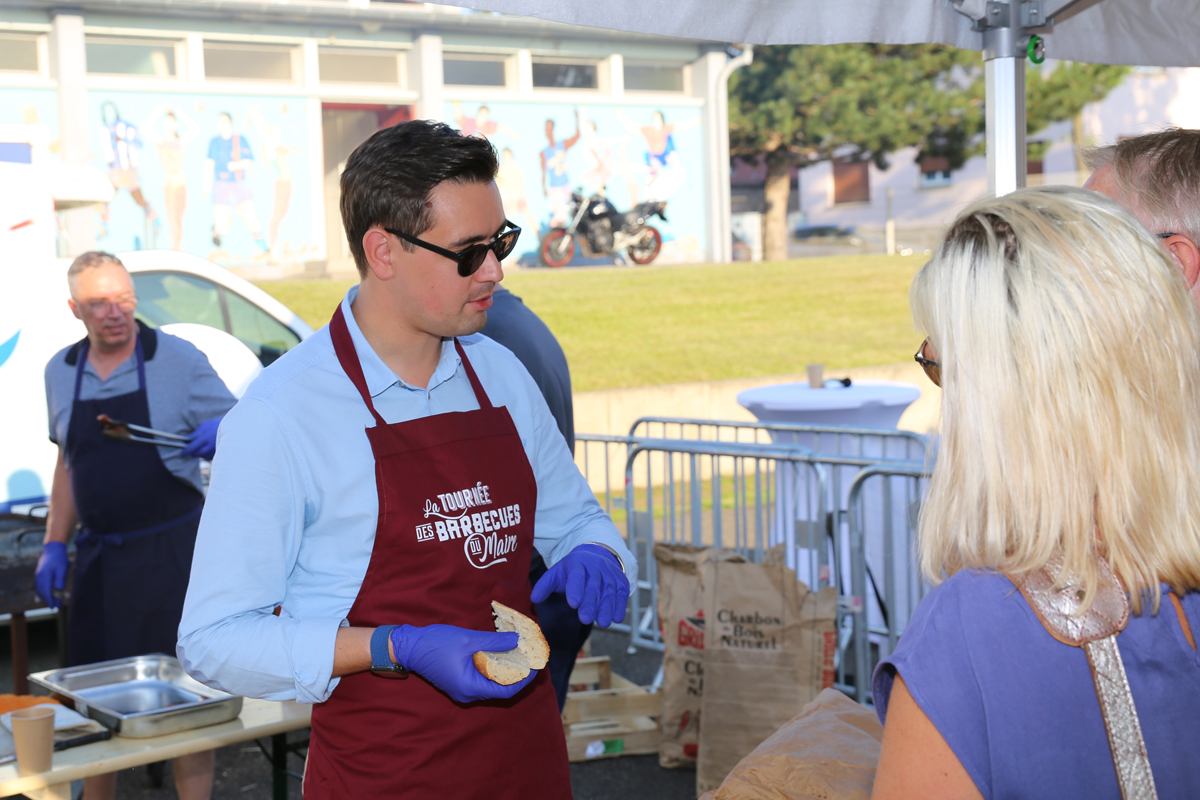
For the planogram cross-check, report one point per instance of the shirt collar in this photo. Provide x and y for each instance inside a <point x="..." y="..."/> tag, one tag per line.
<point x="379" y="376"/>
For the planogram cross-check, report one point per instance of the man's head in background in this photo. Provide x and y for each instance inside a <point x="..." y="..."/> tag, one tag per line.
<point x="1157" y="177"/>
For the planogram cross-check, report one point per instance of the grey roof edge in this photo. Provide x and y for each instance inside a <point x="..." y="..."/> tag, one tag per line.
<point x="403" y="16"/>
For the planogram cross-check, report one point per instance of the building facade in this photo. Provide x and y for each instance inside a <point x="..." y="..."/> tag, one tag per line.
<point x="223" y="127"/>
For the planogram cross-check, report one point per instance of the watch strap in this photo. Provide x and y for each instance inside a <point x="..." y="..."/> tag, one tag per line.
<point x="380" y="660"/>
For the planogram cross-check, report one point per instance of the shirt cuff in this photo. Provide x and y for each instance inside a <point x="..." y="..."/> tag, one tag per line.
<point x="313" y="644"/>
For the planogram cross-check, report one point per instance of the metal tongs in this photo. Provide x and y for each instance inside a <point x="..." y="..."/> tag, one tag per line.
<point x="127" y="432"/>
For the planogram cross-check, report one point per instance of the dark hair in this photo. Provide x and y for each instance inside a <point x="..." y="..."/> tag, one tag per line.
<point x="226" y="115"/>
<point x="388" y="178"/>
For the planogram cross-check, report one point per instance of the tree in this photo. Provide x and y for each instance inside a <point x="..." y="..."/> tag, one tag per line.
<point x="798" y="105"/>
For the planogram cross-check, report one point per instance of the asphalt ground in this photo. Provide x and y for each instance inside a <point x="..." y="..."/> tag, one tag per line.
<point x="243" y="773"/>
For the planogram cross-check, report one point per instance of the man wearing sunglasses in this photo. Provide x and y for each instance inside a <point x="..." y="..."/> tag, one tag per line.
<point x="1157" y="177"/>
<point x="385" y="481"/>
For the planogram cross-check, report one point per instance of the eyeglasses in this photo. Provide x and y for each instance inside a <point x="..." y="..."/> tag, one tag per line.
<point x="1165" y="235"/>
<point x="933" y="369"/>
<point x="472" y="258"/>
<point x="99" y="307"/>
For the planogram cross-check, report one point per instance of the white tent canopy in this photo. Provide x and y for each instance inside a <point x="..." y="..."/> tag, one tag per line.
<point x="1162" y="33"/>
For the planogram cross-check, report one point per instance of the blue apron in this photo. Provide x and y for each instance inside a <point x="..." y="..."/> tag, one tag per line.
<point x="134" y="552"/>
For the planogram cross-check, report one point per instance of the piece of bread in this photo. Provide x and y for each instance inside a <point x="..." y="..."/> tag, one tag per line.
<point x="531" y="652"/>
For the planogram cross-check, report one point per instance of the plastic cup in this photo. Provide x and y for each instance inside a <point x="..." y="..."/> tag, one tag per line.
<point x="816" y="376"/>
<point x="33" y="734"/>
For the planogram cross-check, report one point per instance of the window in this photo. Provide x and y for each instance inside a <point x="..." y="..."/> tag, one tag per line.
<point x="564" y="75"/>
<point x="935" y="172"/>
<point x="266" y="336"/>
<point x="247" y="62"/>
<point x="652" y="78"/>
<point x="149" y="57"/>
<point x="167" y="297"/>
<point x="358" y="66"/>
<point x="19" y="53"/>
<point x="851" y="182"/>
<point x="460" y="70"/>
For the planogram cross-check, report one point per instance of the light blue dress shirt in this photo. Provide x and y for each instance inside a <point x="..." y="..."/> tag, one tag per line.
<point x="182" y="390"/>
<point x="292" y="507"/>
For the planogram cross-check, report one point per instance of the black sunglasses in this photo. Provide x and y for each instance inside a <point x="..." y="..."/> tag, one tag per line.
<point x="933" y="369"/>
<point x="472" y="258"/>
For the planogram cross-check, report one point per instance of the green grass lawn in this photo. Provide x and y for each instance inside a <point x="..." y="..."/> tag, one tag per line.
<point x="653" y="325"/>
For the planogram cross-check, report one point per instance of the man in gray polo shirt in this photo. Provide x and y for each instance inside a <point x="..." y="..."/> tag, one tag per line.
<point x="138" y="505"/>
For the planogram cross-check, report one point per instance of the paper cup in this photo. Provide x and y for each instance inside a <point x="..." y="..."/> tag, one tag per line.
<point x="816" y="376"/>
<point x="33" y="734"/>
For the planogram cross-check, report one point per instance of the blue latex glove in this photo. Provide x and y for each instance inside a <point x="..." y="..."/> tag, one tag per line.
<point x="593" y="581"/>
<point x="441" y="654"/>
<point x="203" y="442"/>
<point x="51" y="572"/>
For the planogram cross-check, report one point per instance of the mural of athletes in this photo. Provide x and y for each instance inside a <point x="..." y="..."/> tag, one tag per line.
<point x="222" y="177"/>
<point x="629" y="153"/>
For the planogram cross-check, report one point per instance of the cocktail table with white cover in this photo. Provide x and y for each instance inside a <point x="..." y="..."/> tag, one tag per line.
<point x="863" y="404"/>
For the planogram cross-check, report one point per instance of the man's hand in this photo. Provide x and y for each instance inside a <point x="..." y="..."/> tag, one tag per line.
<point x="203" y="441"/>
<point x="441" y="654"/>
<point x="51" y="572"/>
<point x="592" y="578"/>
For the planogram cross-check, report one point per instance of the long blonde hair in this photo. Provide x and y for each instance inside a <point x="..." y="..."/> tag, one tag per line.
<point x="1070" y="357"/>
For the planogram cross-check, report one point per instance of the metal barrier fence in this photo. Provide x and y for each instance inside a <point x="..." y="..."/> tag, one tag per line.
<point x="830" y="443"/>
<point x="731" y="484"/>
<point x="896" y="550"/>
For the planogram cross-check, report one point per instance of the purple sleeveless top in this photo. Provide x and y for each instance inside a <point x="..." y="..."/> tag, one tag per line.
<point x="1019" y="708"/>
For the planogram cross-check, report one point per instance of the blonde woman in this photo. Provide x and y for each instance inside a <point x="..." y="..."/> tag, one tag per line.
<point x="1068" y="353"/>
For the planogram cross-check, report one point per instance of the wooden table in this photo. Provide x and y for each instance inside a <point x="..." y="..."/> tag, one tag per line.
<point x="259" y="718"/>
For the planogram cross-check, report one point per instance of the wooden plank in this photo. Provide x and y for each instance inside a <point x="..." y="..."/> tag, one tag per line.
<point x="635" y="736"/>
<point x="621" y="682"/>
<point x="611" y="704"/>
<point x="589" y="671"/>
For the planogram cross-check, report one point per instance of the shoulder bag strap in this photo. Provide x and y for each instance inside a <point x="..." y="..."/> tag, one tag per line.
<point x="1096" y="632"/>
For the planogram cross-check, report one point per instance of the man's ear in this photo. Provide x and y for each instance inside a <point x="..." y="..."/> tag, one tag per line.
<point x="1186" y="255"/>
<point x="378" y="249"/>
<point x="74" y="308"/>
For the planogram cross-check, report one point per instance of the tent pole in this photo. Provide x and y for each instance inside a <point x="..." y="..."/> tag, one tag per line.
<point x="1004" y="77"/>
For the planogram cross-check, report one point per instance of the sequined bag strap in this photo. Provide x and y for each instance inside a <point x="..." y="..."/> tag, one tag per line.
<point x="1096" y="632"/>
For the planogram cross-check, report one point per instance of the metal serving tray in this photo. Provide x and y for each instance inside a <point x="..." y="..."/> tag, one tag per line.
<point x="141" y="696"/>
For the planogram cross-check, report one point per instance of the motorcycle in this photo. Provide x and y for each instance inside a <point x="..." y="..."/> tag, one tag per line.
<point x="601" y="230"/>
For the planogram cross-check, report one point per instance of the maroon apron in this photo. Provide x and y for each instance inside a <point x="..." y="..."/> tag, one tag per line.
<point x="456" y="508"/>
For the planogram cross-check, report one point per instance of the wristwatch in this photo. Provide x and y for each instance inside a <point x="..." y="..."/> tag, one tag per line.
<point x="381" y="663"/>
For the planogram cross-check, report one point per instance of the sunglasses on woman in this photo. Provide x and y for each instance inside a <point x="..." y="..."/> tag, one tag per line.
<point x="933" y="369"/>
<point x="472" y="258"/>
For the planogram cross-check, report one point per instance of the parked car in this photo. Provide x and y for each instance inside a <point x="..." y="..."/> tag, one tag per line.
<point x="827" y="232"/>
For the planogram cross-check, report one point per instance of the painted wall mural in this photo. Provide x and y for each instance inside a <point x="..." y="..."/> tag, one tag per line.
<point x="220" y="176"/>
<point x="630" y="153"/>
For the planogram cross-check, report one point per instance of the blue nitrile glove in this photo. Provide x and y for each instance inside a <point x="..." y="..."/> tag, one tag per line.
<point x="441" y="654"/>
<point x="203" y="443"/>
<point x="51" y="572"/>
<point x="592" y="578"/>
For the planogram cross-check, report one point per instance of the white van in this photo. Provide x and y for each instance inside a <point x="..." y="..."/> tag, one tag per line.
<point x="35" y="321"/>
